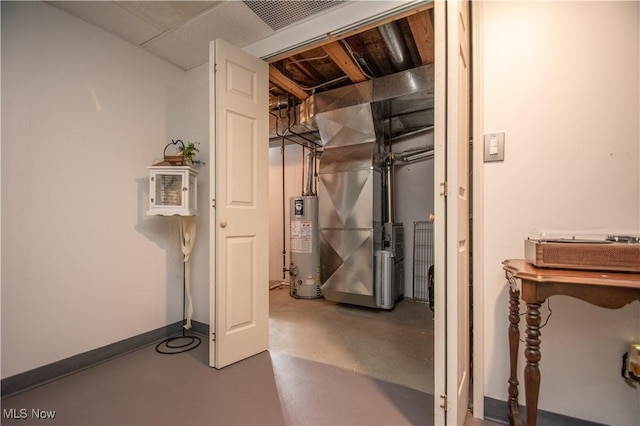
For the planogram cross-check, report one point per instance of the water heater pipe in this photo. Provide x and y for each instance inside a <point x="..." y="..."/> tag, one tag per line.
<point x="302" y="179"/>
<point x="390" y="199"/>
<point x="309" y="189"/>
<point x="284" y="223"/>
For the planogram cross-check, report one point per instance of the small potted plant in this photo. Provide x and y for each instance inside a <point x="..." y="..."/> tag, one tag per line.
<point x="189" y="151"/>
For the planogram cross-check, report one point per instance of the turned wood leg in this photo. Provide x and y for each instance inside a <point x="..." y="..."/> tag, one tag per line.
<point x="532" y="354"/>
<point x="514" y="340"/>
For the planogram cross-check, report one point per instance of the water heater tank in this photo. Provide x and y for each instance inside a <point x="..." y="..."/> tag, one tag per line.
<point x="304" y="271"/>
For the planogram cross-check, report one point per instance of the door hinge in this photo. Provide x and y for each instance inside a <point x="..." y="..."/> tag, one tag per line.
<point x="213" y="337"/>
<point x="444" y="402"/>
<point x="445" y="188"/>
<point x="215" y="68"/>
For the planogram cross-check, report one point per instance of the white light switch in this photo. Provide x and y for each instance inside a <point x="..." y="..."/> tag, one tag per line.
<point x="494" y="147"/>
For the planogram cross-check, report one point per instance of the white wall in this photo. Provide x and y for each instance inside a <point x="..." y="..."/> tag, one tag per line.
<point x="83" y="115"/>
<point x="196" y="128"/>
<point x="293" y="188"/>
<point x="561" y="79"/>
<point x="414" y="200"/>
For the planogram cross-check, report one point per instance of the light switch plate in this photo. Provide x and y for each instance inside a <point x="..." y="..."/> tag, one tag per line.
<point x="498" y="142"/>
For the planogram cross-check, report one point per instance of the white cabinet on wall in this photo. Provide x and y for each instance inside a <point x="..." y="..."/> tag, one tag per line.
<point x="173" y="191"/>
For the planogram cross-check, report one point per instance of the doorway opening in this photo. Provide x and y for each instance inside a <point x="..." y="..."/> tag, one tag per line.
<point x="394" y="345"/>
<point x="450" y="171"/>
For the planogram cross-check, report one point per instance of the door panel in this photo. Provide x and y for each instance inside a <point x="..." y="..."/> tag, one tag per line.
<point x="461" y="302"/>
<point x="452" y="124"/>
<point x="458" y="127"/>
<point x="240" y="240"/>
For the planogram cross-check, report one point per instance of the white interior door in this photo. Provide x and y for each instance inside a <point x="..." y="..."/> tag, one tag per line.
<point x="452" y="357"/>
<point x="239" y="246"/>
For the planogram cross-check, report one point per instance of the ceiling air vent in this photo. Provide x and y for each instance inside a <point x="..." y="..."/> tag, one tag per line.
<point x="279" y="14"/>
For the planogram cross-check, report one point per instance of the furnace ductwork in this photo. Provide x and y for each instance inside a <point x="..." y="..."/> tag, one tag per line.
<point x="349" y="204"/>
<point x="351" y="129"/>
<point x="356" y="124"/>
<point x="402" y="103"/>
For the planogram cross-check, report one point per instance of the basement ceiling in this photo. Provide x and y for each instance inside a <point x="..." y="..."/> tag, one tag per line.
<point x="180" y="31"/>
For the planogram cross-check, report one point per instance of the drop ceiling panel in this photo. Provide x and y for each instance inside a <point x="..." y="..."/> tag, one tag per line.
<point x="165" y="15"/>
<point x="188" y="45"/>
<point x="111" y="18"/>
<point x="179" y="53"/>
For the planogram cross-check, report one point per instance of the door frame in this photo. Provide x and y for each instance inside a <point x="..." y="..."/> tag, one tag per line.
<point x="443" y="390"/>
<point x="477" y="208"/>
<point x="440" y="237"/>
<point x="277" y="45"/>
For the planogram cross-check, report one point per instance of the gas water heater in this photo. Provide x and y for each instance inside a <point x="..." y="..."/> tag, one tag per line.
<point x="304" y="271"/>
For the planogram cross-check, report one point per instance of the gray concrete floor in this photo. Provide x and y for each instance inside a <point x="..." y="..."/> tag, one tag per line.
<point x="329" y="364"/>
<point x="395" y="346"/>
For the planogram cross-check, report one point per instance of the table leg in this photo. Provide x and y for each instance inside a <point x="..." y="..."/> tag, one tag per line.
<point x="533" y="355"/>
<point x="514" y="341"/>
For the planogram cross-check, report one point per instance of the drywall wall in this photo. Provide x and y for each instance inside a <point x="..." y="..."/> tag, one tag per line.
<point x="414" y="202"/>
<point x="195" y="127"/>
<point x="292" y="170"/>
<point x="84" y="114"/>
<point x="414" y="199"/>
<point x="561" y="79"/>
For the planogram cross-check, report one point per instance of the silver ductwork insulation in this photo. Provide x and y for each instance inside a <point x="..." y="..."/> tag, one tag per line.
<point x="397" y="47"/>
<point x="356" y="125"/>
<point x="349" y="204"/>
<point x="403" y="104"/>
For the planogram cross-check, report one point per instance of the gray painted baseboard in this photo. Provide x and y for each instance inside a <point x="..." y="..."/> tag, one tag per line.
<point x="47" y="373"/>
<point x="496" y="411"/>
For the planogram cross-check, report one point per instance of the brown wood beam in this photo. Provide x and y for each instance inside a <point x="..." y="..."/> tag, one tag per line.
<point x="422" y="30"/>
<point x="344" y="61"/>
<point x="336" y="37"/>
<point x="286" y="84"/>
<point x="306" y="68"/>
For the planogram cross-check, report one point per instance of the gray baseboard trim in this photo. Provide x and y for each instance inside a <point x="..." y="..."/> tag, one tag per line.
<point x="200" y="328"/>
<point x="496" y="411"/>
<point x="47" y="373"/>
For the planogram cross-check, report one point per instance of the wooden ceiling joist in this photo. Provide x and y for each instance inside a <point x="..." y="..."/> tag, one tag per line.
<point x="291" y="71"/>
<point x="286" y="84"/>
<point x="334" y="37"/>
<point x="344" y="61"/>
<point x="422" y="30"/>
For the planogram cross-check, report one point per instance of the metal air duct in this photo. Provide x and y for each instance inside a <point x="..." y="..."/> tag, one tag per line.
<point x="392" y="37"/>
<point x="349" y="204"/>
<point x="357" y="233"/>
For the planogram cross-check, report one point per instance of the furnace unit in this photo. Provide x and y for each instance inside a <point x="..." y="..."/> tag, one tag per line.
<point x="361" y="245"/>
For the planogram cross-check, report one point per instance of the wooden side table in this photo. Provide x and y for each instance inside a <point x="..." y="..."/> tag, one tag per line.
<point x="611" y="290"/>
